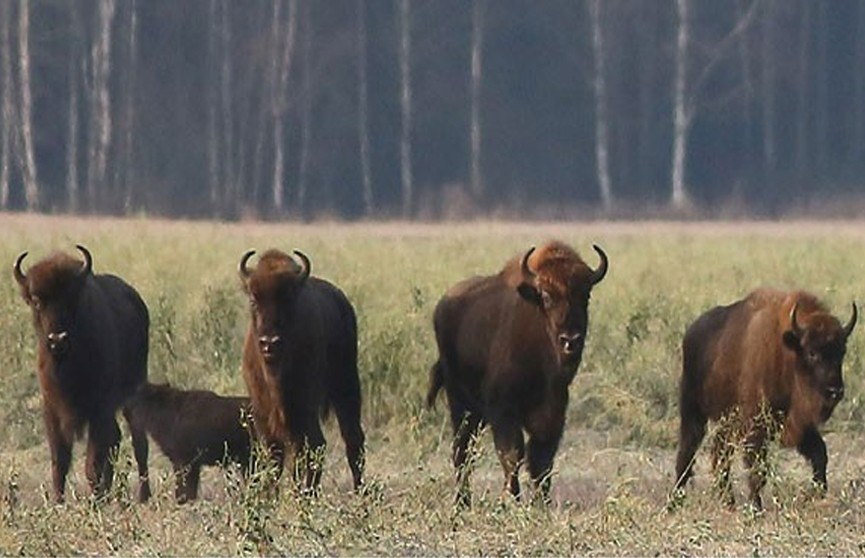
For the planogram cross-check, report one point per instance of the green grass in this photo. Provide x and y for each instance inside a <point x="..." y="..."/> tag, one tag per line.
<point x="615" y="465"/>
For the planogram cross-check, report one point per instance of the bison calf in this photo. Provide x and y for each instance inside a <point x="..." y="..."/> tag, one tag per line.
<point x="768" y="363"/>
<point x="193" y="428"/>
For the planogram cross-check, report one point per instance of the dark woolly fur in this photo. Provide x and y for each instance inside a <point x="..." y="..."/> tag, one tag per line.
<point x="193" y="428"/>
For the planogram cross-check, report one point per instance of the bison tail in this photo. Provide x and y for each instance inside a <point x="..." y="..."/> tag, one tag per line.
<point x="436" y="381"/>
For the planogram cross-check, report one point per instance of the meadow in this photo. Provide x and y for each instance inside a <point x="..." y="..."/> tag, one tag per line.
<point x="615" y="465"/>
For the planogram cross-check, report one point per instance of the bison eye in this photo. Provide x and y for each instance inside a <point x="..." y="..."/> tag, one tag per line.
<point x="813" y="355"/>
<point x="36" y="302"/>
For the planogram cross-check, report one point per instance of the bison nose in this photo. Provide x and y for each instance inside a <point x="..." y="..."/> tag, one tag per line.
<point x="570" y="343"/>
<point x="268" y="344"/>
<point x="58" y="342"/>
<point x="835" y="393"/>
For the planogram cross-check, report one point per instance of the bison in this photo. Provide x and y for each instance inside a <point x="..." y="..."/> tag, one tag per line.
<point x="193" y="428"/>
<point x="769" y="363"/>
<point x="509" y="346"/>
<point x="300" y="361"/>
<point x="92" y="335"/>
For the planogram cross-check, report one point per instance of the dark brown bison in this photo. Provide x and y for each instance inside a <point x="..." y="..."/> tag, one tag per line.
<point x="193" y="428"/>
<point x="769" y="363"/>
<point x="509" y="346"/>
<point x="92" y="335"/>
<point x="299" y="361"/>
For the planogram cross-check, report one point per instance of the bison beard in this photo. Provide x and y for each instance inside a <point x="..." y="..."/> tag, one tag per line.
<point x="193" y="428"/>
<point x="299" y="361"/>
<point x="509" y="346"/>
<point x="766" y="364"/>
<point x="92" y="335"/>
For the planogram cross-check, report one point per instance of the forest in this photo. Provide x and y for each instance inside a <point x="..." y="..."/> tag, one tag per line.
<point x="428" y="109"/>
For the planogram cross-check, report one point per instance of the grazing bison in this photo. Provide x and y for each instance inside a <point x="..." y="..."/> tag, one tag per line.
<point x="767" y="363"/>
<point x="299" y="361"/>
<point x="193" y="428"/>
<point x="92" y="335"/>
<point x="509" y="346"/>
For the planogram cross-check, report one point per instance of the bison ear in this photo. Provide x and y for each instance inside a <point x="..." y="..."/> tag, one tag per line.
<point x="791" y="341"/>
<point x="530" y="294"/>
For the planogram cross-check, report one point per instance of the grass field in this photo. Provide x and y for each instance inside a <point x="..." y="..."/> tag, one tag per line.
<point x="615" y="466"/>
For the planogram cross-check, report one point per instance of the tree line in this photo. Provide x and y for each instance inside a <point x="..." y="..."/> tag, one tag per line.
<point x="425" y="108"/>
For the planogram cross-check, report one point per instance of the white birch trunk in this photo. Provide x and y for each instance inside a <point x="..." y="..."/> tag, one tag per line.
<point x="362" y="110"/>
<point x="127" y="164"/>
<point x="601" y="119"/>
<point x="768" y="98"/>
<point x="405" y="107"/>
<point x="681" y="117"/>
<point x="279" y="109"/>
<point x="31" y="187"/>
<point x="228" y="170"/>
<point x="213" y="97"/>
<point x="72" y="135"/>
<point x="748" y="94"/>
<point x="6" y="104"/>
<point x="305" y="109"/>
<point x="100" y="107"/>
<point x="476" y="175"/>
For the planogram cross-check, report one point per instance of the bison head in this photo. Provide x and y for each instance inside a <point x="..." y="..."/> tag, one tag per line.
<point x="272" y="288"/>
<point x="820" y="341"/>
<point x="52" y="288"/>
<point x="561" y="287"/>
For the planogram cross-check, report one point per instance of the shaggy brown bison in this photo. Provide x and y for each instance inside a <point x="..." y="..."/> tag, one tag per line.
<point x="92" y="335"/>
<point x="768" y="363"/>
<point x="509" y="346"/>
<point x="299" y="361"/>
<point x="193" y="428"/>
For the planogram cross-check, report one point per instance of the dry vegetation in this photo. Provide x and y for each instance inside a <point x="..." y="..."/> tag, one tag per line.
<point x="615" y="465"/>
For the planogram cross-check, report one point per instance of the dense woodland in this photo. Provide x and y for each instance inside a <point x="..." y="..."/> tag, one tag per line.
<point x="429" y="108"/>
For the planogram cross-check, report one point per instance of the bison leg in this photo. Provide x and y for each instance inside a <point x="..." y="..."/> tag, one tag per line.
<point x="813" y="448"/>
<point x="755" y="461"/>
<point x="692" y="430"/>
<point x="309" y="458"/>
<point x="508" y="439"/>
<point x="61" y="454"/>
<point x="541" y="452"/>
<point x="722" y="455"/>
<point x="141" y="450"/>
<point x="186" y="478"/>
<point x="102" y="444"/>
<point x="348" y="417"/>
<point x="465" y="426"/>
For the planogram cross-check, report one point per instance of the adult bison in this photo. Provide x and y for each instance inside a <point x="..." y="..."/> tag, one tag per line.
<point x="92" y="335"/>
<point x="299" y="361"/>
<point x="509" y="346"/>
<point x="193" y="428"/>
<point x="768" y="363"/>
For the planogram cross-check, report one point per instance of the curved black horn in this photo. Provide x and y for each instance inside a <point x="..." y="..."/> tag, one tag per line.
<point x="305" y="265"/>
<point x="524" y="264"/>
<point x="848" y="327"/>
<point x="242" y="269"/>
<point x="19" y="275"/>
<point x="794" y="325"/>
<point x="87" y="268"/>
<point x="599" y="273"/>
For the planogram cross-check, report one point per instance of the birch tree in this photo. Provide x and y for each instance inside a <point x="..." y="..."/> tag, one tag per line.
<point x="768" y="97"/>
<point x="100" y="123"/>
<point x="31" y="187"/>
<point x="362" y="110"/>
<point x="405" y="106"/>
<point x="226" y="117"/>
<point x="601" y="121"/>
<point x="213" y="143"/>
<point x="305" y="107"/>
<point x="7" y="126"/>
<point x="477" y="184"/>
<point x="280" y="107"/>
<point x="75" y="69"/>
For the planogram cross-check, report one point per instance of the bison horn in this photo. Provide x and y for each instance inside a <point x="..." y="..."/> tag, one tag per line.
<point x="305" y="265"/>
<point x="88" y="260"/>
<point x="19" y="275"/>
<point x="524" y="264"/>
<point x="794" y="325"/>
<point x="599" y="273"/>
<point x="242" y="269"/>
<point x="848" y="327"/>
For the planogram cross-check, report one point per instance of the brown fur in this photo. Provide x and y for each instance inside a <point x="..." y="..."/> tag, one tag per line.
<point x="313" y="367"/>
<point x="743" y="363"/>
<point x="193" y="428"/>
<point x="89" y="375"/>
<point x="501" y="359"/>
